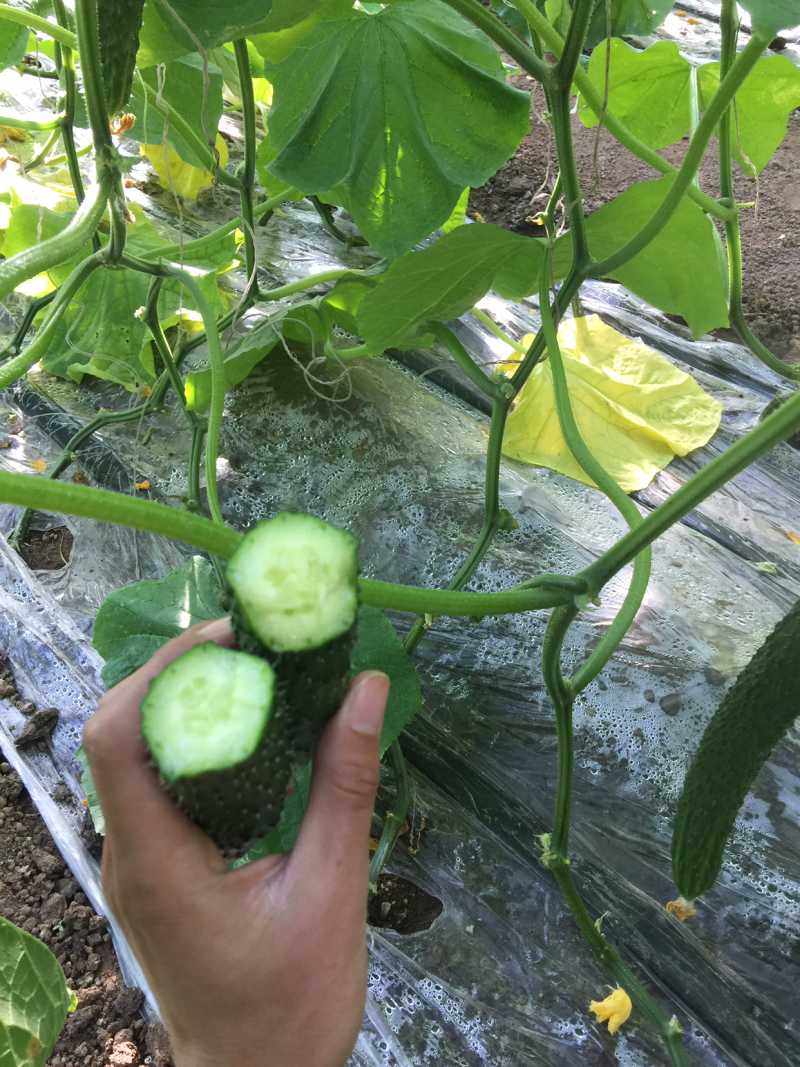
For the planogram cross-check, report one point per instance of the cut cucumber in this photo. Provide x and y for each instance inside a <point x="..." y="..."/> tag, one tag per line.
<point x="295" y="578"/>
<point x="294" y="599"/>
<point x="217" y="732"/>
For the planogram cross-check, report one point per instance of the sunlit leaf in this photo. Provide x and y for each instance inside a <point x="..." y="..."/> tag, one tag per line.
<point x="445" y="280"/>
<point x="459" y="216"/>
<point x="679" y="272"/>
<point x="30" y="224"/>
<point x="34" y="998"/>
<point x="271" y="185"/>
<point x="763" y="106"/>
<point x="135" y="621"/>
<point x="648" y="90"/>
<point x="629" y="18"/>
<point x="400" y="111"/>
<point x="773" y="15"/>
<point x="174" y="174"/>
<point x="635" y="410"/>
<point x="13" y="43"/>
<point x="240" y="359"/>
<point x="182" y="96"/>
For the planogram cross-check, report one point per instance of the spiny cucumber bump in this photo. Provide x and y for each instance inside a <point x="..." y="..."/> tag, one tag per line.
<point x="754" y="715"/>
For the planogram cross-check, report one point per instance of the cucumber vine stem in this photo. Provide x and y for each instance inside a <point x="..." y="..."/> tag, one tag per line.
<point x="394" y="818"/>
<point x="65" y="65"/>
<point x="40" y="25"/>
<point x="247" y="175"/>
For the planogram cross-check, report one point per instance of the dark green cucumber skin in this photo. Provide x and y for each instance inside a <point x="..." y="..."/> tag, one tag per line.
<point x="241" y="804"/>
<point x="756" y="712"/>
<point x="312" y="683"/>
<point x="120" y="23"/>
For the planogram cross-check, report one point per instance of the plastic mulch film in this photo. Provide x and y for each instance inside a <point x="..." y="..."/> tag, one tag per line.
<point x="502" y="976"/>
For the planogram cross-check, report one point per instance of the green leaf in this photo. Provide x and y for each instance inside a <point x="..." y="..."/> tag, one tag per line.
<point x="629" y="18"/>
<point x="444" y="281"/>
<point x="517" y="22"/>
<point x="648" y="91"/>
<point x="100" y="333"/>
<point x="763" y="105"/>
<point x="399" y="110"/>
<point x="34" y="998"/>
<point x="88" y="786"/>
<point x="134" y="622"/>
<point x="378" y="648"/>
<point x="164" y="35"/>
<point x="678" y="272"/>
<point x="13" y="43"/>
<point x="773" y="15"/>
<point x="283" y="837"/>
<point x="182" y="96"/>
<point x="459" y="216"/>
<point x="343" y="301"/>
<point x="290" y="21"/>
<point x="240" y="359"/>
<point x="271" y="185"/>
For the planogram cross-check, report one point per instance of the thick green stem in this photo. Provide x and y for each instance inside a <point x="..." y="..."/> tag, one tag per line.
<point x="502" y="35"/>
<point x="87" y="502"/>
<point x="25" y="18"/>
<point x="562" y="699"/>
<point x="67" y="458"/>
<point x="58" y="249"/>
<point x="202" y="244"/>
<point x="15" y="368"/>
<point x="760" y="440"/>
<point x="247" y="175"/>
<point x="17" y="122"/>
<point x="670" y="1030"/>
<point x="394" y="819"/>
<point x="692" y="160"/>
<point x="617" y="129"/>
<point x="65" y="62"/>
<point x="464" y="360"/>
<point x="559" y="101"/>
<point x="564" y="71"/>
<point x="311" y="282"/>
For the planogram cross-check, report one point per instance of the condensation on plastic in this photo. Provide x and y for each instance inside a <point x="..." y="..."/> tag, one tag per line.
<point x="502" y="977"/>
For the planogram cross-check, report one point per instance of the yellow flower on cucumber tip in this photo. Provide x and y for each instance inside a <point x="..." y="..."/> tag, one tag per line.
<point x="616" y="1008"/>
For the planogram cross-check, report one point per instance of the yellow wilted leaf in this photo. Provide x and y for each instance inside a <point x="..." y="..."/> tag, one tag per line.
<point x="186" y="179"/>
<point x="634" y="409"/>
<point x="39" y="465"/>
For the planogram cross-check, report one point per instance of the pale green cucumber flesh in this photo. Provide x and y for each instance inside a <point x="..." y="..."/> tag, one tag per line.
<point x="207" y="711"/>
<point x="295" y="579"/>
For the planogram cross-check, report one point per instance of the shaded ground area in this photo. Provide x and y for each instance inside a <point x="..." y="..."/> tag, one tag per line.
<point x="770" y="232"/>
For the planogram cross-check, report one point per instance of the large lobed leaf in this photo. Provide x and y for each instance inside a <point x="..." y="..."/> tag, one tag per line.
<point x="393" y="115"/>
<point x="648" y="90"/>
<point x="763" y="106"/>
<point x="34" y="998"/>
<point x="772" y="15"/>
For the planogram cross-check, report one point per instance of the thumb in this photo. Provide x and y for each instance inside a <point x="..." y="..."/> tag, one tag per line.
<point x="334" y="836"/>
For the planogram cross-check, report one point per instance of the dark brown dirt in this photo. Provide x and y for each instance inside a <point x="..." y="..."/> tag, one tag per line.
<point x="770" y="234"/>
<point x="39" y="894"/>
<point x="47" y="550"/>
<point x="402" y="906"/>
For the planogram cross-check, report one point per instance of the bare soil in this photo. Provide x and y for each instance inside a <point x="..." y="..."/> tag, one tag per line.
<point x="770" y="232"/>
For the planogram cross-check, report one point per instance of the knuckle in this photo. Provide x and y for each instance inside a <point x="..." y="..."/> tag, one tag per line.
<point x="355" y="783"/>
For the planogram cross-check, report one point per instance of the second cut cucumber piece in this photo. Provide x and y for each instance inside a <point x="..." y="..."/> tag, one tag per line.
<point x="294" y="601"/>
<point x="217" y="731"/>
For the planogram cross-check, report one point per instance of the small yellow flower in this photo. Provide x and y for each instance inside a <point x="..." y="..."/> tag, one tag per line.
<point x="681" y="909"/>
<point x="39" y="465"/>
<point x="616" y="1008"/>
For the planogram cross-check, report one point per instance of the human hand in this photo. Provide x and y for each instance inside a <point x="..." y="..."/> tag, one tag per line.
<point x="266" y="965"/>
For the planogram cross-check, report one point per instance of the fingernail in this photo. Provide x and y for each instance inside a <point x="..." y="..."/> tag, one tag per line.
<point x="366" y="703"/>
<point x="217" y="629"/>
